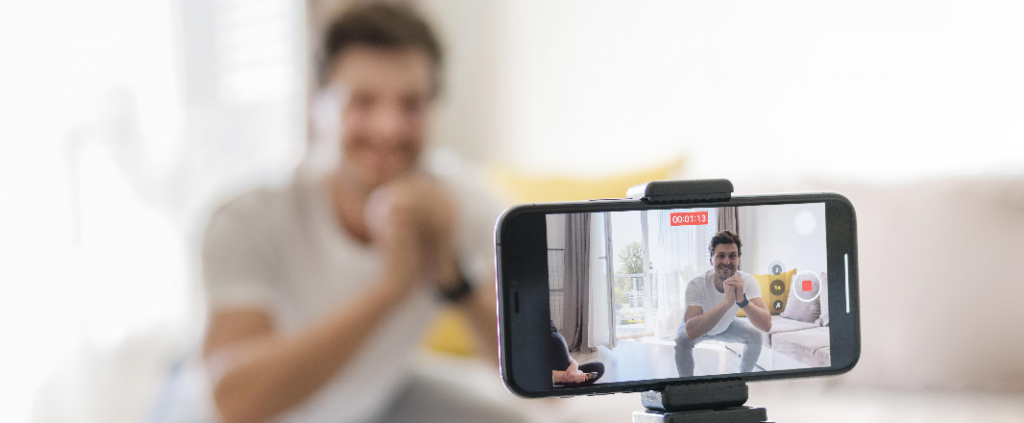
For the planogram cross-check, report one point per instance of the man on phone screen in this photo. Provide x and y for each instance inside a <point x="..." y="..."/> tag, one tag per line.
<point x="712" y="301"/>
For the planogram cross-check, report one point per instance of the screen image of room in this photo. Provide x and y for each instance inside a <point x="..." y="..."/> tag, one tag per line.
<point x="618" y="285"/>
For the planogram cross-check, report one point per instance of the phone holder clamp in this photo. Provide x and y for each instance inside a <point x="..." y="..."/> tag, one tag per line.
<point x="698" y="402"/>
<point x="697" y="190"/>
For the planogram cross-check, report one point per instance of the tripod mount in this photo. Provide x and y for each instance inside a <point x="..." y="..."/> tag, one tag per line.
<point x="700" y="402"/>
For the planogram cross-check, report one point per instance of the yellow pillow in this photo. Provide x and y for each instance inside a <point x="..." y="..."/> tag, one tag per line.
<point x="525" y="188"/>
<point x="775" y="300"/>
<point x="451" y="332"/>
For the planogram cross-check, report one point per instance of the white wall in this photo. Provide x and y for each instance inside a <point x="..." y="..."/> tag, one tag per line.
<point x="768" y="234"/>
<point x="884" y="90"/>
<point x="468" y="118"/>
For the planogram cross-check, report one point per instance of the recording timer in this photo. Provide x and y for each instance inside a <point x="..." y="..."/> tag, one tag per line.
<point x="688" y="218"/>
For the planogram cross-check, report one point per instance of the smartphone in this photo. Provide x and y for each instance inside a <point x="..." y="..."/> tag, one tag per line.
<point x="649" y="295"/>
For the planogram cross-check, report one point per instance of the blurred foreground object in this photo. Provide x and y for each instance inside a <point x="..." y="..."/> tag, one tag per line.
<point x="529" y="188"/>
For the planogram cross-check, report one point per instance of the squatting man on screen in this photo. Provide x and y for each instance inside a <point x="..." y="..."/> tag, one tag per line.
<point x="712" y="301"/>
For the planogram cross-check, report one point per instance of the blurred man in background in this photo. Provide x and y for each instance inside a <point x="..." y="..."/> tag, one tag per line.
<point x="320" y="290"/>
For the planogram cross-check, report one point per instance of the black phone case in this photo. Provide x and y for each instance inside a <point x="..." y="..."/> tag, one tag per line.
<point x="508" y="302"/>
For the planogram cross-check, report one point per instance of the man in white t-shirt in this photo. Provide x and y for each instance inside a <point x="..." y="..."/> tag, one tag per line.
<point x="712" y="301"/>
<point x="320" y="291"/>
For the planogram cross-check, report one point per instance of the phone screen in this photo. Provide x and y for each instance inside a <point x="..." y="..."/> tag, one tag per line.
<point x="625" y="295"/>
<point x="635" y="297"/>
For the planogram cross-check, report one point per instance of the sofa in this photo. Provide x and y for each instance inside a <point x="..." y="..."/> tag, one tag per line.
<point x="802" y="342"/>
<point x="793" y="344"/>
<point x="939" y="276"/>
<point x="939" y="271"/>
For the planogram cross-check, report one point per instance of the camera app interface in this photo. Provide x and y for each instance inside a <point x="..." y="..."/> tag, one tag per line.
<point x="664" y="294"/>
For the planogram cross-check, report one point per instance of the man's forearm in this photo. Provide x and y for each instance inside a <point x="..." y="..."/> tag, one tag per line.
<point x="480" y="309"/>
<point x="701" y="324"/>
<point x="269" y="376"/>
<point x="557" y="376"/>
<point x="759" y="316"/>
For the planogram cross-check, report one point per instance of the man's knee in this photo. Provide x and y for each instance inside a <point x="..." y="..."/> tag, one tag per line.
<point x="683" y="341"/>
<point x="748" y="334"/>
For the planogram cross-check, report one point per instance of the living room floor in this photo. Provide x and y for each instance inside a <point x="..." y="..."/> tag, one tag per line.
<point x="651" y="358"/>
<point x="790" y="401"/>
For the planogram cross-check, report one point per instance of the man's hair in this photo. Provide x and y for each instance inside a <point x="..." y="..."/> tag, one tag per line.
<point x="725" y="237"/>
<point x="378" y="25"/>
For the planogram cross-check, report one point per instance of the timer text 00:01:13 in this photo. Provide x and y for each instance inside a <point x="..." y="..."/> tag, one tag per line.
<point x="689" y="218"/>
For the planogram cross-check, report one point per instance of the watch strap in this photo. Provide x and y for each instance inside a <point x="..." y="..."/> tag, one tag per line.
<point x="459" y="291"/>
<point x="744" y="303"/>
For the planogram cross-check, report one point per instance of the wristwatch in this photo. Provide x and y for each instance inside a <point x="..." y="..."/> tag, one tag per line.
<point x="458" y="292"/>
<point x="744" y="303"/>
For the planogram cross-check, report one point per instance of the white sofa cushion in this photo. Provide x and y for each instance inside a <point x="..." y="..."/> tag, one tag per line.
<point x="940" y="279"/>
<point x="808" y="346"/>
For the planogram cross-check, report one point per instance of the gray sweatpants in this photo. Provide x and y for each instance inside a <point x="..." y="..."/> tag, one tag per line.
<point x="738" y="331"/>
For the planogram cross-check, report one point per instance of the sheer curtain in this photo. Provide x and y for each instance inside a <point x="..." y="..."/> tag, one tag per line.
<point x="678" y="254"/>
<point x="576" y="316"/>
<point x="587" y="314"/>
<point x="601" y="314"/>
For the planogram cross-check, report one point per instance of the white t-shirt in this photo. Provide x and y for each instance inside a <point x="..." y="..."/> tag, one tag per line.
<point x="285" y="251"/>
<point x="701" y="292"/>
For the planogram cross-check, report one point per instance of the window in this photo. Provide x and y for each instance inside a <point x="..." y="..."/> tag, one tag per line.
<point x="653" y="262"/>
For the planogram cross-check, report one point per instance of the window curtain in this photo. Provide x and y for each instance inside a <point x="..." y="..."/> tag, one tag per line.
<point x="729" y="219"/>
<point x="678" y="255"/>
<point x="577" y="282"/>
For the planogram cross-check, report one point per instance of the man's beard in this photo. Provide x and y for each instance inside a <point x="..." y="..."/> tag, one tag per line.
<point x="725" y="272"/>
